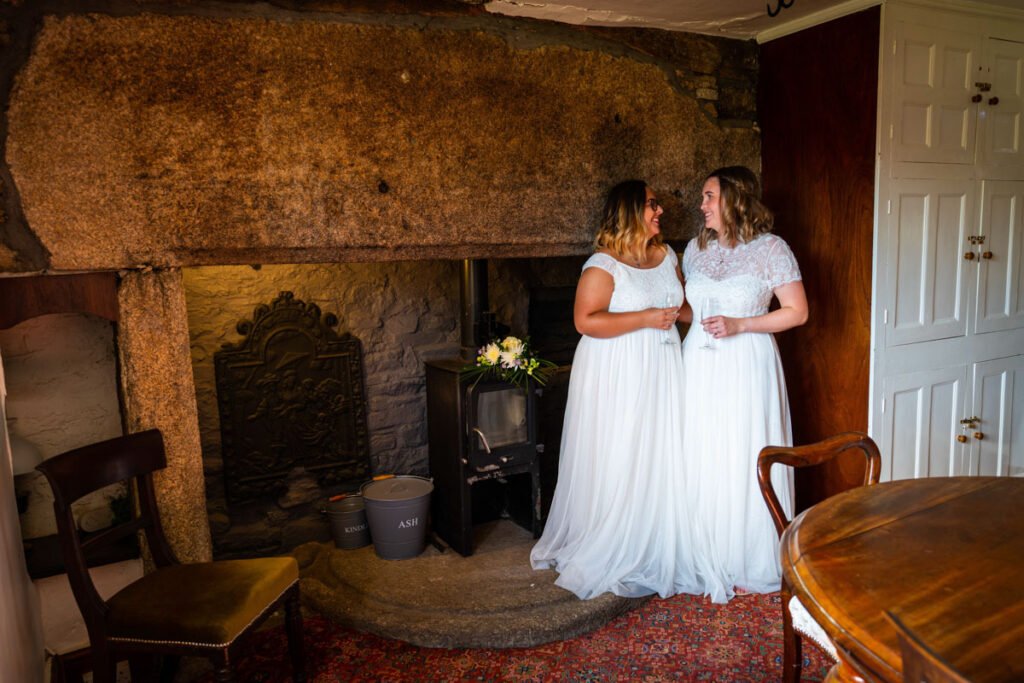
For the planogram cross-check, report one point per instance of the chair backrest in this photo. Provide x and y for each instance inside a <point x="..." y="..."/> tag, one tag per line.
<point x="78" y="472"/>
<point x="920" y="663"/>
<point x="809" y="455"/>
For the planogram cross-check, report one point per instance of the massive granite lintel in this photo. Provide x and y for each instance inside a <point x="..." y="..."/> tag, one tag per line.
<point x="175" y="140"/>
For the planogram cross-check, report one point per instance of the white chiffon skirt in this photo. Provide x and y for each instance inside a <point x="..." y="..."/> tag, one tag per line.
<point x="734" y="405"/>
<point x="619" y="518"/>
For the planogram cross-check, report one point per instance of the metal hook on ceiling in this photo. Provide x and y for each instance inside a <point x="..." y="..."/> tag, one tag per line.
<point x="781" y="6"/>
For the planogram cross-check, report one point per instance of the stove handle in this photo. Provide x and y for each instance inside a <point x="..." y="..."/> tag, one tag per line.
<point x="484" y="439"/>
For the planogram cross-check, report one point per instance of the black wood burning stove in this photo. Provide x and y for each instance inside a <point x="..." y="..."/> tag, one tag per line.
<point x="480" y="434"/>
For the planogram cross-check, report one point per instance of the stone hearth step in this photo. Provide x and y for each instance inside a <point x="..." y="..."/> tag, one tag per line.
<point x="492" y="599"/>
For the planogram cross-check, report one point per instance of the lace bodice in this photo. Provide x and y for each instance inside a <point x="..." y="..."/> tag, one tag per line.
<point x="739" y="281"/>
<point x="639" y="288"/>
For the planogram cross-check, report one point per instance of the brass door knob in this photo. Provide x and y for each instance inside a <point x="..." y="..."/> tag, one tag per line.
<point x="962" y="438"/>
<point x="979" y="436"/>
<point x="969" y="256"/>
<point x="986" y="254"/>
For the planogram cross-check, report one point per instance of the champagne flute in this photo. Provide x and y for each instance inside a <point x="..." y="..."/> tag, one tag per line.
<point x="666" y="335"/>
<point x="708" y="306"/>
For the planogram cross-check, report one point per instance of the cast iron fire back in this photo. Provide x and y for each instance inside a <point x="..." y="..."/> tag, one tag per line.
<point x="291" y="395"/>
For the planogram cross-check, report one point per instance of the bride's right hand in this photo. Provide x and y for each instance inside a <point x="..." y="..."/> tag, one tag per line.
<point x="662" y="318"/>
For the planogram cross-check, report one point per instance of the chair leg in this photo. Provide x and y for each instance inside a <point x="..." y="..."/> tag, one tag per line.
<point x="792" y="657"/>
<point x="143" y="667"/>
<point x="293" y="623"/>
<point x="104" y="666"/>
<point x="224" y="674"/>
<point x="223" y="670"/>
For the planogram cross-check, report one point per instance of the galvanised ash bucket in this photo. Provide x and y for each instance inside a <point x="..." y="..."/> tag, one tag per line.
<point x="397" y="508"/>
<point x="348" y="522"/>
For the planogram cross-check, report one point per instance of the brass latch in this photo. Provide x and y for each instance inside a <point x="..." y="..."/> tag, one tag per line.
<point x="969" y="423"/>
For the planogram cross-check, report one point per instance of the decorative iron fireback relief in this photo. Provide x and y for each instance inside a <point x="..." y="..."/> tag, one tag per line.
<point x="290" y="395"/>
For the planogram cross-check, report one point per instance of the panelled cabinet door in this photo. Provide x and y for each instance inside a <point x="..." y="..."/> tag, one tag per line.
<point x="927" y="271"/>
<point x="934" y="119"/>
<point x="1000" y="110"/>
<point x="1000" y="284"/>
<point x="921" y="422"/>
<point x="996" y="446"/>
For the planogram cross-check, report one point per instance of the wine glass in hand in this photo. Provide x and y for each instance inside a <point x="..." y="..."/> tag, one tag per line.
<point x="666" y="335"/>
<point x="708" y="307"/>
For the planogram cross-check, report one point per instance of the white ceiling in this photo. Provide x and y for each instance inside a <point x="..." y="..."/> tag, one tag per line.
<point x="731" y="18"/>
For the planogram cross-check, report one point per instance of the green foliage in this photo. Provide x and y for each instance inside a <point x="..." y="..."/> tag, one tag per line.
<point x="511" y="360"/>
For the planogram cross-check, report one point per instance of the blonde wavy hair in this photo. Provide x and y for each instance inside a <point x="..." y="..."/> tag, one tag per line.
<point x="743" y="215"/>
<point x="623" y="230"/>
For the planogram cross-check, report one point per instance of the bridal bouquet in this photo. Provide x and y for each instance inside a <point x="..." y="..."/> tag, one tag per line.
<point x="510" y="359"/>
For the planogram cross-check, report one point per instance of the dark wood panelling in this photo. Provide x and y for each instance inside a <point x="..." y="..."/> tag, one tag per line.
<point x="22" y="298"/>
<point x="817" y="106"/>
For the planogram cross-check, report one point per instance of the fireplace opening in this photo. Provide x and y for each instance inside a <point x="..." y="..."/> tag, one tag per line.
<point x="405" y="315"/>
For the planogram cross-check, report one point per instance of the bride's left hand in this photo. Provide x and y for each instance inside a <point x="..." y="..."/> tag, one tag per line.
<point x="719" y="326"/>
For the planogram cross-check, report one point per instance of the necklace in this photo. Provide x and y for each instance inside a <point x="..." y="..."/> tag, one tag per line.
<point x="719" y="252"/>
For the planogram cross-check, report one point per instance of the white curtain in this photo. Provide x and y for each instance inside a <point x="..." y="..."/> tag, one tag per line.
<point x="21" y="636"/>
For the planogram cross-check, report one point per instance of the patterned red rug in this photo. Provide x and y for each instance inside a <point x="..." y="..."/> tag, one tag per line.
<point x="684" y="638"/>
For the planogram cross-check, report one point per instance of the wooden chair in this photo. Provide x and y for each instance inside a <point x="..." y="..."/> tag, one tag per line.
<point x="796" y="621"/>
<point x="200" y="609"/>
<point x="920" y="663"/>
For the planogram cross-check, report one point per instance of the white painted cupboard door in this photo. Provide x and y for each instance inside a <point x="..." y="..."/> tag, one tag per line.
<point x="996" y="445"/>
<point x="934" y="119"/>
<point x="920" y="422"/>
<point x="1000" y="111"/>
<point x="1000" y="284"/>
<point x="928" y="276"/>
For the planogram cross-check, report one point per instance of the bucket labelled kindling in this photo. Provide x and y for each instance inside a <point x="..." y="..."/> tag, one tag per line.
<point x="397" y="509"/>
<point x="348" y="522"/>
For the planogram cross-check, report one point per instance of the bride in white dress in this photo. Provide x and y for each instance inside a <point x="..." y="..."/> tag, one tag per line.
<point x="618" y="520"/>
<point x="735" y="394"/>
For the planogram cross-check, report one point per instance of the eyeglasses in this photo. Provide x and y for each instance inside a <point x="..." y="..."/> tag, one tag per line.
<point x="652" y="204"/>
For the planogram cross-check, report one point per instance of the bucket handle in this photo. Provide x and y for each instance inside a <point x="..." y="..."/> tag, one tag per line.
<point x="342" y="496"/>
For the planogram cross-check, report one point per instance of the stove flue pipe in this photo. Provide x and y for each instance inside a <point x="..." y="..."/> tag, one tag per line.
<point x="473" y="298"/>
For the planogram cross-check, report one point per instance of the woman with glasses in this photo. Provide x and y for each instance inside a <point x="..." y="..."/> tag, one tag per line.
<point x="734" y="400"/>
<point x="618" y="522"/>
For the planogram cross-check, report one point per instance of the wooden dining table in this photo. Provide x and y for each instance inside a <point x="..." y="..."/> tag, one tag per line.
<point x="945" y="555"/>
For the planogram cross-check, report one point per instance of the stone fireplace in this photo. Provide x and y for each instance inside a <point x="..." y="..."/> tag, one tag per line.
<point x="404" y="314"/>
<point x="213" y="156"/>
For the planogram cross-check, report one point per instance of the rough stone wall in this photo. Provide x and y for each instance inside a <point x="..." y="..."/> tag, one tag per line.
<point x="158" y="391"/>
<point x="253" y="134"/>
<point x="404" y="313"/>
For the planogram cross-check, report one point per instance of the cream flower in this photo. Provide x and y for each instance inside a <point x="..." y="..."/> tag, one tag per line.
<point x="513" y="345"/>
<point x="491" y="353"/>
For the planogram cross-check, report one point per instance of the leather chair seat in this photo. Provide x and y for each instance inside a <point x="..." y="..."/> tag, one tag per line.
<point x="207" y="603"/>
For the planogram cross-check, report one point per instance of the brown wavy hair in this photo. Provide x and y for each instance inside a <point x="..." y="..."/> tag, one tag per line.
<point x="743" y="215"/>
<point x="622" y="230"/>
